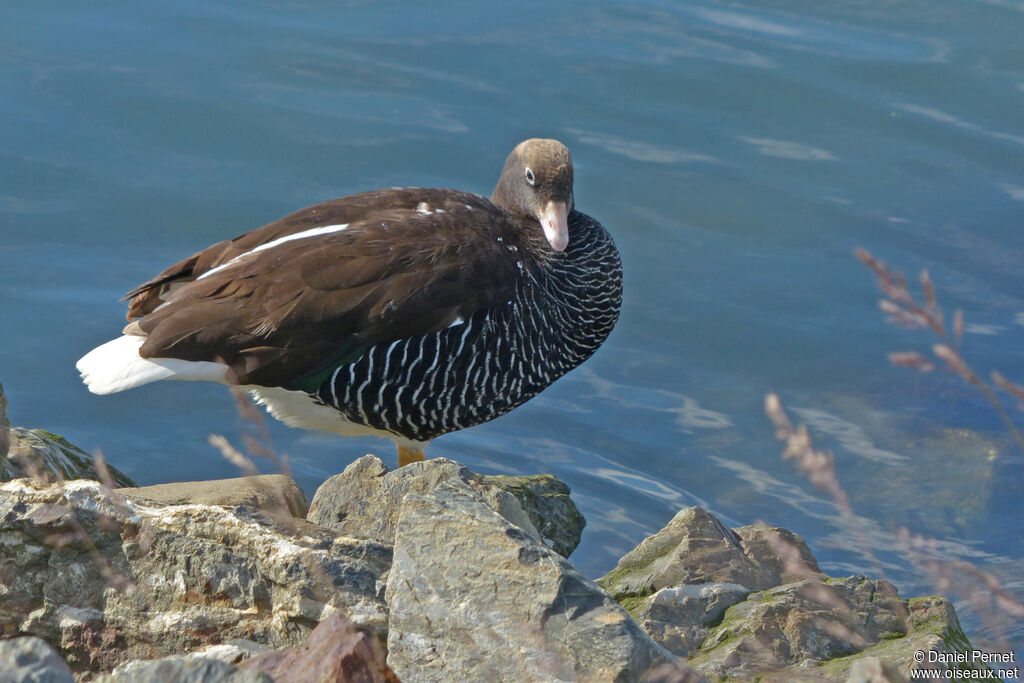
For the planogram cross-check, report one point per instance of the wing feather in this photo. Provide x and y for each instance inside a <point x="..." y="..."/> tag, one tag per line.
<point x="281" y="313"/>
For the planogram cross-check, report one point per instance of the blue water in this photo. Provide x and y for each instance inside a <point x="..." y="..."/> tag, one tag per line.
<point x="737" y="151"/>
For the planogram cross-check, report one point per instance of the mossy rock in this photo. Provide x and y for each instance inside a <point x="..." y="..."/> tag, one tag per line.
<point x="545" y="499"/>
<point x="37" y="453"/>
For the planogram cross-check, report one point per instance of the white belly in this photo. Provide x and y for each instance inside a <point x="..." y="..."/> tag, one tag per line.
<point x="299" y="409"/>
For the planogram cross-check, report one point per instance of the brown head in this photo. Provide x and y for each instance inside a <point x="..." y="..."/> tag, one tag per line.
<point x="537" y="182"/>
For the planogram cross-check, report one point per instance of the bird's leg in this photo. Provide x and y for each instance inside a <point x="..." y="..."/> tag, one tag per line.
<point x="406" y="456"/>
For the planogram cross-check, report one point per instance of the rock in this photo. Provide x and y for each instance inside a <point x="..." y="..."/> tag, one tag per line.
<point x="697" y="548"/>
<point x="270" y="492"/>
<point x="874" y="670"/>
<point x="230" y="652"/>
<point x="177" y="669"/>
<point x="781" y="554"/>
<point x="671" y="672"/>
<point x="108" y="579"/>
<point x="39" y="454"/>
<point x="679" y="617"/>
<point x="31" y="659"/>
<point x="751" y="603"/>
<point x="931" y="626"/>
<point x="804" y="620"/>
<point x="678" y="581"/>
<point x="335" y="651"/>
<point x="545" y="498"/>
<point x="364" y="500"/>
<point x="825" y="629"/>
<point x="473" y="597"/>
<point x="50" y="457"/>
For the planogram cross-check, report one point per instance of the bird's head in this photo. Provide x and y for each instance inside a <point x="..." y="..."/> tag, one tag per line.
<point x="537" y="182"/>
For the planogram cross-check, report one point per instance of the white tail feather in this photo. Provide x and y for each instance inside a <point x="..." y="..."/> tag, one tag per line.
<point x="116" y="366"/>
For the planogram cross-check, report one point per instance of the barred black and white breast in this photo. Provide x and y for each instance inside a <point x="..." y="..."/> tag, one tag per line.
<point x="406" y="313"/>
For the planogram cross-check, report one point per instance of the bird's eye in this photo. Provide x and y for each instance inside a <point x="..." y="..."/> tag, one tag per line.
<point x="529" y="176"/>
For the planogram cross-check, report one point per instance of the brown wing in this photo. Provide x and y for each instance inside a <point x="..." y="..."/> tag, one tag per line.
<point x="400" y="268"/>
<point x="147" y="296"/>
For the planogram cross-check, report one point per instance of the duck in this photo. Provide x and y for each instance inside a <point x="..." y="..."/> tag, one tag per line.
<point x="404" y="313"/>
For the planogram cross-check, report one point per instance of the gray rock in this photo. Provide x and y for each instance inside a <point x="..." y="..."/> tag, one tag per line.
<point x="801" y="621"/>
<point x="931" y="626"/>
<point x="781" y="554"/>
<point x="473" y="597"/>
<point x="269" y="492"/>
<point x="801" y="625"/>
<point x="364" y="500"/>
<point x="822" y="630"/>
<point x="696" y="548"/>
<point x="177" y="669"/>
<point x="230" y="652"/>
<point x="109" y="579"/>
<point x="31" y="660"/>
<point x="545" y="498"/>
<point x="42" y="455"/>
<point x="679" y="617"/>
<point x="874" y="670"/>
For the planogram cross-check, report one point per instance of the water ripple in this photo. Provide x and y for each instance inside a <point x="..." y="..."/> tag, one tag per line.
<point x="639" y="151"/>
<point x="689" y="414"/>
<point x="852" y="437"/>
<point x="785" y="149"/>
<point x="1015" y="192"/>
<point x="942" y="117"/>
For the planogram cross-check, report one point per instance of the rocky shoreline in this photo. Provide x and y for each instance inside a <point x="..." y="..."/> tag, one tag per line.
<point x="427" y="573"/>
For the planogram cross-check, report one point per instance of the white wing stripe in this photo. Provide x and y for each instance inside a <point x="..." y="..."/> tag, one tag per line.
<point x="312" y="232"/>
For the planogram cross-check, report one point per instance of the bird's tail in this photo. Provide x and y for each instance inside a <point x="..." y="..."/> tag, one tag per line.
<point x="117" y="365"/>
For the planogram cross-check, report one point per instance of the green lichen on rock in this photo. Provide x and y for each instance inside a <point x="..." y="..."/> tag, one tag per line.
<point x="631" y="603"/>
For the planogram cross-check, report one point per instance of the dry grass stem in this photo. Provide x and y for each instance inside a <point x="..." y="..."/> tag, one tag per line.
<point x="814" y="590"/>
<point x="788" y="554"/>
<point x="911" y="359"/>
<point x="902" y="309"/>
<point x="955" y="362"/>
<point x="899" y="304"/>
<point x="100" y="464"/>
<point x="980" y="589"/>
<point x="1008" y="386"/>
<point x="818" y="466"/>
<point x="233" y="455"/>
<point x="844" y="633"/>
<point x="824" y="596"/>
